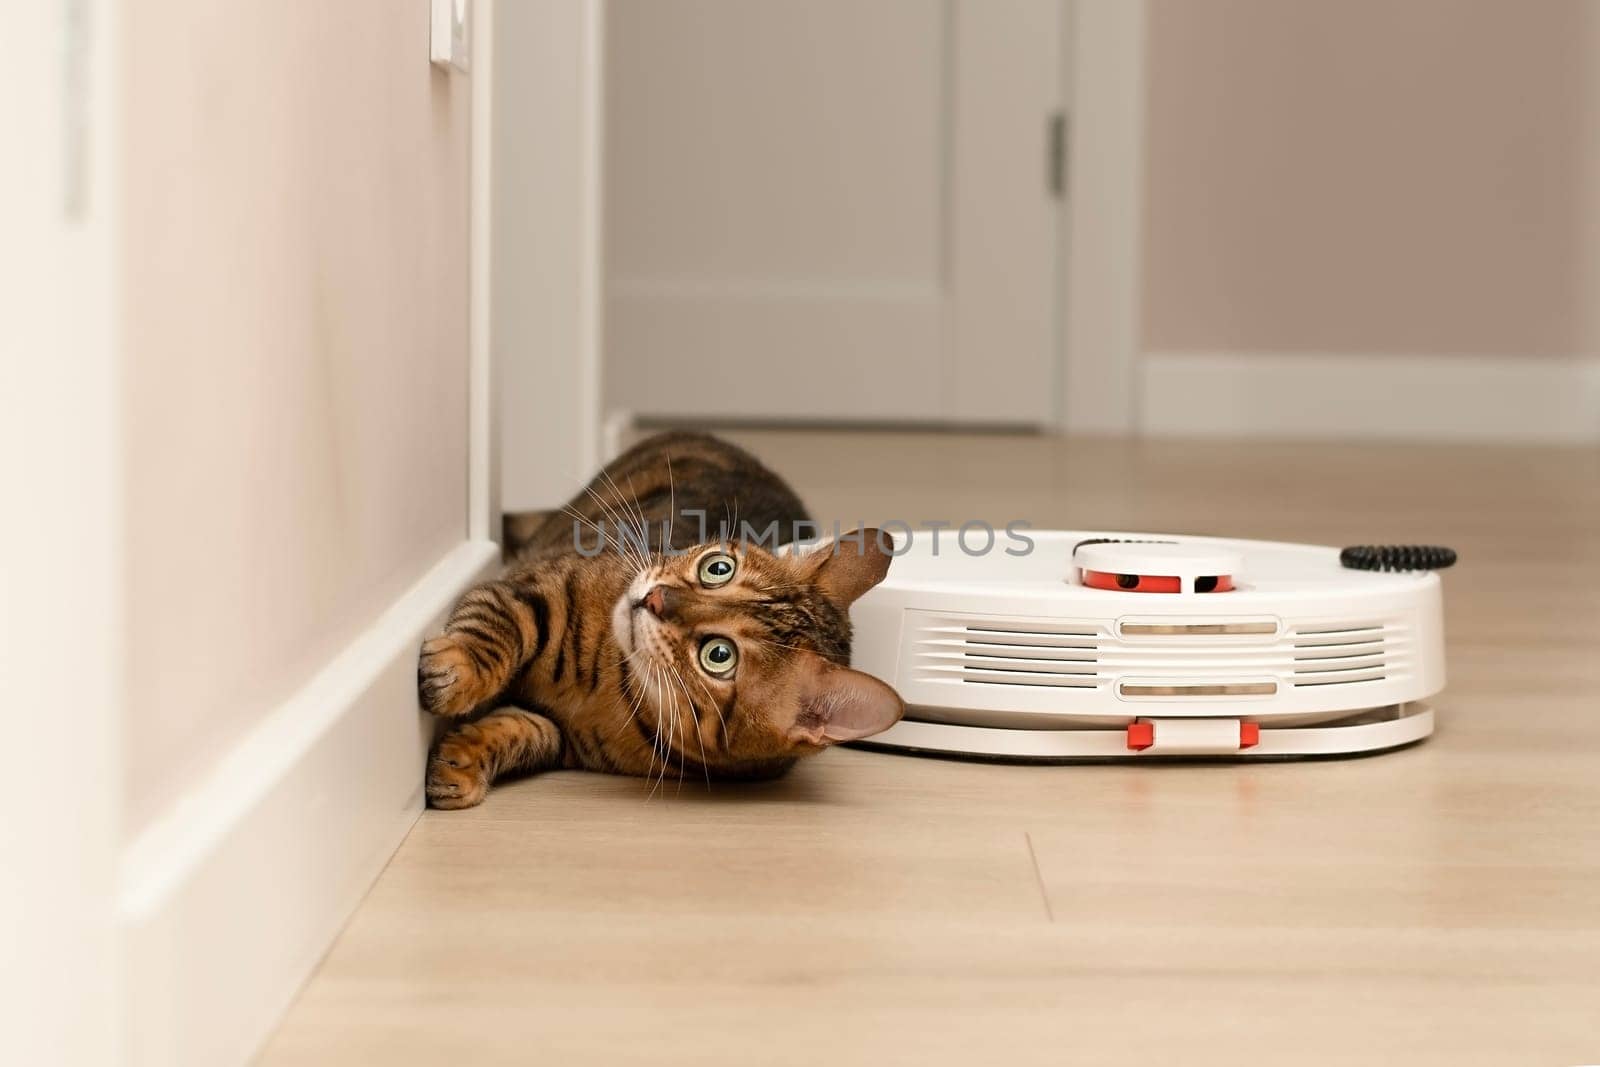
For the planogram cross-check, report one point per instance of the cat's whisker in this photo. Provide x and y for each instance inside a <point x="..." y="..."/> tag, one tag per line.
<point x="655" y="747"/>
<point x="617" y="544"/>
<point x="635" y="515"/>
<point x="734" y="529"/>
<point x="633" y="500"/>
<point x="672" y="503"/>
<point x="712" y="700"/>
<point x="606" y="543"/>
<point x="665" y="735"/>
<point x="677" y="676"/>
<point x="626" y="543"/>
<point x="672" y="722"/>
<point x="644" y="523"/>
<point x="633" y="542"/>
<point x="646" y="703"/>
<point x="665" y="732"/>
<point x="787" y="648"/>
<point x="638" y="695"/>
<point x="568" y="509"/>
<point x="680" y="724"/>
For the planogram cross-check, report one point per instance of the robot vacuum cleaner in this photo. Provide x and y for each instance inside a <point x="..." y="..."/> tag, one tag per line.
<point x="1129" y="646"/>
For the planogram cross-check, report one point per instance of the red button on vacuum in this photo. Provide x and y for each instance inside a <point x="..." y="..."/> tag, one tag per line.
<point x="1249" y="734"/>
<point x="1141" y="735"/>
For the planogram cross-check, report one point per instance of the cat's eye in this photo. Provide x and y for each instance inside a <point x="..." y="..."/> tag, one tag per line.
<point x="718" y="656"/>
<point x="717" y="569"/>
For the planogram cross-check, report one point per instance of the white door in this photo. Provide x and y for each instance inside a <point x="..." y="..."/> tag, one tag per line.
<point x="832" y="209"/>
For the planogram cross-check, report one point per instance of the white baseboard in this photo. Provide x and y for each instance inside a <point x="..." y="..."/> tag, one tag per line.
<point x="1530" y="399"/>
<point x="228" y="902"/>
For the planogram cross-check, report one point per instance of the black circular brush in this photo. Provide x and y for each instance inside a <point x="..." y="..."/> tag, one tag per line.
<point x="1398" y="557"/>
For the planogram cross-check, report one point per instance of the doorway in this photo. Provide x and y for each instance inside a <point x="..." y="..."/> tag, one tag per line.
<point x="833" y="212"/>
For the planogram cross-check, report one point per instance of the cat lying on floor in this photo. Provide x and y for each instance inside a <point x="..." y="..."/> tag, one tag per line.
<point x="651" y="652"/>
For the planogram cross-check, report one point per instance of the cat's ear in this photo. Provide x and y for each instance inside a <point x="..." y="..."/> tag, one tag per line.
<point x="848" y="565"/>
<point x="835" y="703"/>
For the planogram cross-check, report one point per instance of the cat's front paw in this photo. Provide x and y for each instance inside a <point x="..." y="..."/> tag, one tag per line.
<point x="449" y="683"/>
<point x="458" y="771"/>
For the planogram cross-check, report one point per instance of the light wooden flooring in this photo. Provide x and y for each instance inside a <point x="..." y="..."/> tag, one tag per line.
<point x="1435" y="905"/>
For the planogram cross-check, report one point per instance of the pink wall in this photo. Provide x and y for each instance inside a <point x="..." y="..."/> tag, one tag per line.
<point x="1372" y="176"/>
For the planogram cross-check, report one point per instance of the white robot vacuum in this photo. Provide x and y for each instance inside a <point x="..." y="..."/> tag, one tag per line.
<point x="1129" y="646"/>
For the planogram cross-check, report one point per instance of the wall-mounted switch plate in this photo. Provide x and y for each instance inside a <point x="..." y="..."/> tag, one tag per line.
<point x="450" y="41"/>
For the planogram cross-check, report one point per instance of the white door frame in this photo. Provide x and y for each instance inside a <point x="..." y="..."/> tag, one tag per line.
<point x="1102" y="226"/>
<point x="61" y="579"/>
<point x="483" y="446"/>
<point x="541" y="310"/>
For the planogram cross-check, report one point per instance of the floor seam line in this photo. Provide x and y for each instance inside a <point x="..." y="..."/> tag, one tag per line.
<point x="1038" y="878"/>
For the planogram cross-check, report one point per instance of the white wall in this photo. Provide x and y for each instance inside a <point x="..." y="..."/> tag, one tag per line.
<point x="295" y="259"/>
<point x="1371" y="219"/>
<point x="245" y="403"/>
<point x="1369" y="177"/>
<point x="297" y="434"/>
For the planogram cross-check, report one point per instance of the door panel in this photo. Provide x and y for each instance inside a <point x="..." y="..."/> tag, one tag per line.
<point x="830" y="209"/>
<point x="1004" y="292"/>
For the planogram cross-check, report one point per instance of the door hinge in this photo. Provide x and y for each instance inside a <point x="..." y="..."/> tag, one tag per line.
<point x="1056" y="151"/>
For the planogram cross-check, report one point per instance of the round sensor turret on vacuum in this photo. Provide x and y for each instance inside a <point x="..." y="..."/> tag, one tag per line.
<point x="1155" y="566"/>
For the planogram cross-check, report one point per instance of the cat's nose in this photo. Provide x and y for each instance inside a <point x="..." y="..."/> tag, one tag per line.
<point x="658" y="601"/>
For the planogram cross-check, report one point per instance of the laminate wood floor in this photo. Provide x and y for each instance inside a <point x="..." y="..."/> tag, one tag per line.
<point x="1438" y="905"/>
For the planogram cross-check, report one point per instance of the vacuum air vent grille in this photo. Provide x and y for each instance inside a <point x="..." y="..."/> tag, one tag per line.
<point x="991" y="650"/>
<point x="1339" y="653"/>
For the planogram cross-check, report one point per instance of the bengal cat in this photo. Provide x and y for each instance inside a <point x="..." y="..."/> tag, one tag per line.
<point x="667" y="654"/>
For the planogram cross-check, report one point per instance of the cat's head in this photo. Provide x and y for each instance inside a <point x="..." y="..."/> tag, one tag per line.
<point x="738" y="655"/>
